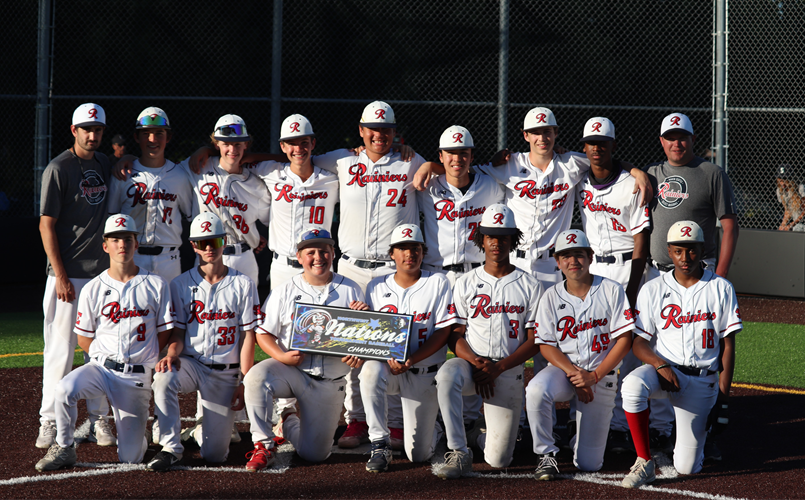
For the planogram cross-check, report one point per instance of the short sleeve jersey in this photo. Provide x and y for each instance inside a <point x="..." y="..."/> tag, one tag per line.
<point x="497" y="311"/>
<point x="450" y="218"/>
<point x="542" y="202"/>
<point x="430" y="302"/>
<point x="214" y="316"/>
<point x="583" y="329"/>
<point x="699" y="191"/>
<point x="74" y="192"/>
<point x="124" y="318"/>
<point x="279" y="309"/>
<point x="685" y="325"/>
<point x="157" y="199"/>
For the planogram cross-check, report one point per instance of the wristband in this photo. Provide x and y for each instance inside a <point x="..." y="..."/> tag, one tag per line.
<point x="596" y="376"/>
<point x="664" y="365"/>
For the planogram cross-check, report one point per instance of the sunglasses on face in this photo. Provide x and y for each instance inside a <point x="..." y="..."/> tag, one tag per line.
<point x="215" y="243"/>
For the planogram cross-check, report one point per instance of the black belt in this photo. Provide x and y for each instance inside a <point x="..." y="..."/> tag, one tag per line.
<point x="291" y="262"/>
<point x="694" y="372"/>
<point x="430" y="369"/>
<point x="611" y="259"/>
<point x="153" y="250"/>
<point x="230" y="249"/>
<point x="222" y="366"/>
<point x="121" y="367"/>
<point x="521" y="253"/>
<point x="316" y="377"/>
<point x="364" y="264"/>
<point x="661" y="267"/>
<point x="459" y="268"/>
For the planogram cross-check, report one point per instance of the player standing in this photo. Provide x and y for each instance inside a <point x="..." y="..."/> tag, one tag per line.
<point x="123" y="318"/>
<point x="214" y="315"/>
<point x="73" y="211"/>
<point x="426" y="296"/>
<point x="686" y="324"/>
<point x="584" y="332"/>
<point x="315" y="380"/>
<point x="498" y="302"/>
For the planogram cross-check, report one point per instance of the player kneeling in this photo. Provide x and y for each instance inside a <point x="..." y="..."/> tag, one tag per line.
<point x="427" y="297"/>
<point x="214" y="309"/>
<point x="584" y="332"/>
<point x="498" y="302"/>
<point x="686" y="324"/>
<point x="316" y="381"/>
<point x="123" y="321"/>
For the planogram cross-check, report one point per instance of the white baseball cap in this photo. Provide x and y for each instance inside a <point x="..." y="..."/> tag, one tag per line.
<point x="498" y="219"/>
<point x="406" y="233"/>
<point x="314" y="236"/>
<point x="572" y="238"/>
<point x="231" y="128"/>
<point x="539" y="117"/>
<point x="675" y="122"/>
<point x="378" y="114"/>
<point x="153" y="117"/>
<point x="685" y="231"/>
<point x="456" y="137"/>
<point x="206" y="225"/>
<point x="89" y="114"/>
<point x="598" y="129"/>
<point x="119" y="223"/>
<point x="296" y="126"/>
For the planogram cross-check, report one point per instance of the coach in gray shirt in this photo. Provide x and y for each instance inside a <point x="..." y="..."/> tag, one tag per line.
<point x="72" y="213"/>
<point x="688" y="187"/>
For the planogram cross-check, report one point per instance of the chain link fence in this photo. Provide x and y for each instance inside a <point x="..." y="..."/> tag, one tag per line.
<point x="480" y="64"/>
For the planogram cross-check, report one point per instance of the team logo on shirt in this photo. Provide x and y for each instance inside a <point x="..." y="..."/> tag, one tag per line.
<point x="673" y="316"/>
<point x="198" y="313"/>
<point x="672" y="191"/>
<point x="587" y="202"/>
<point x="481" y="305"/>
<point x="92" y="187"/>
<point x="446" y="209"/>
<point x="568" y="327"/>
<point x="359" y="177"/>
<point x="284" y="192"/>
<point x="114" y="312"/>
<point x="211" y="191"/>
<point x="139" y="194"/>
<point x="529" y="189"/>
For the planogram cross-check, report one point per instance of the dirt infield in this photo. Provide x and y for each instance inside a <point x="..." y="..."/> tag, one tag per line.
<point x="762" y="449"/>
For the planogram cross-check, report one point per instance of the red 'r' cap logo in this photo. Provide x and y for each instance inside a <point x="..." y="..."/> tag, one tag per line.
<point x="458" y="137"/>
<point x="206" y="227"/>
<point x="120" y="221"/>
<point x="675" y="120"/>
<point x="596" y="127"/>
<point x="408" y="232"/>
<point x="380" y="114"/>
<point x="541" y="118"/>
<point x="93" y="113"/>
<point x="686" y="231"/>
<point x="295" y="127"/>
<point x="571" y="238"/>
<point x="498" y="219"/>
<point x="315" y="232"/>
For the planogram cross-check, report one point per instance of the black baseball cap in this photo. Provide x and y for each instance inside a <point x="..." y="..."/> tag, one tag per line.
<point x="118" y="139"/>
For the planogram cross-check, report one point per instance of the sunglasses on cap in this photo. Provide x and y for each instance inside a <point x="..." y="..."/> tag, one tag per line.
<point x="234" y="130"/>
<point x="215" y="243"/>
<point x="153" y="120"/>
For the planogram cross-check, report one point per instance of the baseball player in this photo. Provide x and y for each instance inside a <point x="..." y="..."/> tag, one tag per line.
<point x="156" y="195"/>
<point x="497" y="306"/>
<point x="214" y="315"/>
<point x="686" y="321"/>
<point x="427" y="297"/>
<point x="584" y="331"/>
<point x="689" y="188"/>
<point x="315" y="380"/>
<point x="123" y="318"/>
<point x="73" y="211"/>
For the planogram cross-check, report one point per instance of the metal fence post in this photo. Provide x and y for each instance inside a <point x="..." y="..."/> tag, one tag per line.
<point x="43" y="67"/>
<point x="720" y="84"/>
<point x="276" y="77"/>
<point x="503" y="75"/>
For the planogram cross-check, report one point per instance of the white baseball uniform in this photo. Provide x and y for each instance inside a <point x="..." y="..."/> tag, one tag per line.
<point x="296" y="206"/>
<point x="213" y="318"/>
<point x="542" y="203"/>
<point x="156" y="198"/>
<point x="124" y="320"/>
<point x="239" y="200"/>
<point x="497" y="312"/>
<point x="583" y="329"/>
<point x="684" y="326"/>
<point x="450" y="219"/>
<point x="317" y="383"/>
<point x="430" y="302"/>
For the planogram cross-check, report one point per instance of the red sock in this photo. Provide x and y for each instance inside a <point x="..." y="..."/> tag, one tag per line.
<point x="638" y="425"/>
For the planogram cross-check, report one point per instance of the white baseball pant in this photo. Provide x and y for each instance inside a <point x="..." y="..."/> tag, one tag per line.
<point x="320" y="404"/>
<point x="420" y="406"/>
<point x="244" y="262"/>
<point x="592" y="419"/>
<point x="544" y="269"/>
<point x="129" y="393"/>
<point x="215" y="388"/>
<point x="167" y="264"/>
<point x="661" y="417"/>
<point x="60" y="345"/>
<point x="282" y="272"/>
<point x="502" y="411"/>
<point x="692" y="405"/>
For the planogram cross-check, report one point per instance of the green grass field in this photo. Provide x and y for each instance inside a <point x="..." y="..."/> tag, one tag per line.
<point x="767" y="353"/>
